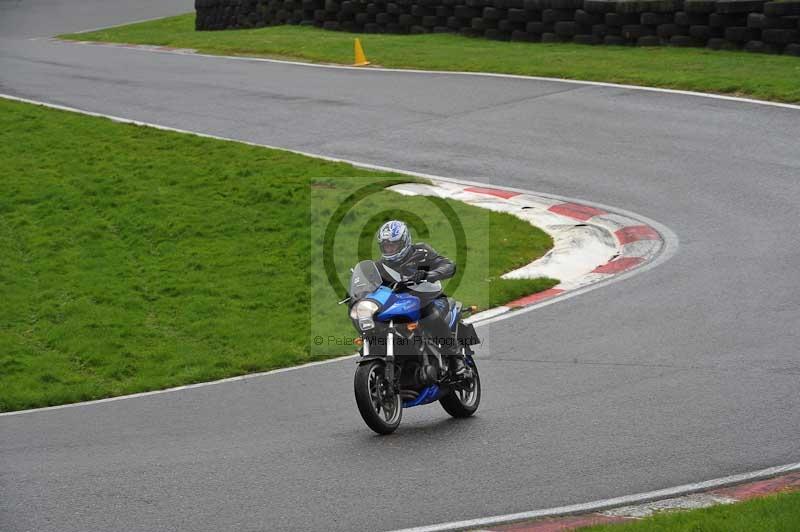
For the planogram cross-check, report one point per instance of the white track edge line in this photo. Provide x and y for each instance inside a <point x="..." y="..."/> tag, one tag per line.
<point x="179" y="388"/>
<point x="669" y="248"/>
<point x="139" y="21"/>
<point x="605" y="504"/>
<point x="148" y="48"/>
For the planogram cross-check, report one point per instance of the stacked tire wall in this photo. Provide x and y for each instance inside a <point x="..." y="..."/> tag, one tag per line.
<point x="751" y="25"/>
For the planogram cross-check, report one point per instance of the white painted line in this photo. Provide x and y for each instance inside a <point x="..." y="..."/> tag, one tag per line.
<point x="670" y="243"/>
<point x="230" y="139"/>
<point x="151" y="19"/>
<point x="180" y="388"/>
<point x="445" y="73"/>
<point x="605" y="504"/>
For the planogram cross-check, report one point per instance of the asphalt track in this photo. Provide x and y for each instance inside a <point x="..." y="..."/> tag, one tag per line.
<point x="686" y="372"/>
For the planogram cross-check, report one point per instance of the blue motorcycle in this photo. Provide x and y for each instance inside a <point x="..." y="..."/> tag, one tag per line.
<point x="403" y="363"/>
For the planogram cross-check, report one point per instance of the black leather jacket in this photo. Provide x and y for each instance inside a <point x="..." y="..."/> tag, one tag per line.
<point x="423" y="257"/>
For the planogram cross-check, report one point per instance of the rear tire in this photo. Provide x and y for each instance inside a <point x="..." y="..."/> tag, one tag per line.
<point x="381" y="411"/>
<point x="461" y="403"/>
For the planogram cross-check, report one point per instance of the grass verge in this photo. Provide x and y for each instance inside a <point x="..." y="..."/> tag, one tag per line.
<point x="768" y="77"/>
<point x="137" y="259"/>
<point x="776" y="513"/>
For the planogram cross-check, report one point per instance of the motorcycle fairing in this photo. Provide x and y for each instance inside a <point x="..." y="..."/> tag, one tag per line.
<point x="399" y="305"/>
<point x="381" y="295"/>
<point x="451" y="318"/>
<point x="428" y="395"/>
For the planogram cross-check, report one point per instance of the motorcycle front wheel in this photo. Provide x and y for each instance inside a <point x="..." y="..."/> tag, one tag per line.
<point x="463" y="401"/>
<point x="381" y="409"/>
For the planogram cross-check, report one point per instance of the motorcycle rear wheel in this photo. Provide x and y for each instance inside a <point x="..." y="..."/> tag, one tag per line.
<point x="463" y="402"/>
<point x="381" y="409"/>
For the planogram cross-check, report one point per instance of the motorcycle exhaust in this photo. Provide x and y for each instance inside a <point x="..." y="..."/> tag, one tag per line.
<point x="408" y="395"/>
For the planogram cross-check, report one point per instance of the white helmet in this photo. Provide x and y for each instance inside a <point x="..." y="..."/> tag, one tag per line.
<point x="394" y="240"/>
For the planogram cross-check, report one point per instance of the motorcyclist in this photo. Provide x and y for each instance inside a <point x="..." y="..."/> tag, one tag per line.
<point x="420" y="262"/>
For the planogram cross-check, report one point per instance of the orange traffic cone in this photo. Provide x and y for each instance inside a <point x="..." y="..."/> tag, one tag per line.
<point x="361" y="59"/>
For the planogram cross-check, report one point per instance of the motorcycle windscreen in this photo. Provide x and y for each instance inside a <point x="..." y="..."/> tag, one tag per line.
<point x="426" y="292"/>
<point x="365" y="279"/>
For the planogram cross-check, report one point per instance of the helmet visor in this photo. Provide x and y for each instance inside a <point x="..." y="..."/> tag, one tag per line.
<point x="389" y="248"/>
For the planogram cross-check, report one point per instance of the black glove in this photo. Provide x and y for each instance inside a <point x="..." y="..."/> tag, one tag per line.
<point x="418" y="276"/>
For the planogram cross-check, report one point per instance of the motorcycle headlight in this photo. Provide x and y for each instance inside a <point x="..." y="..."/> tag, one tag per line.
<point x="362" y="312"/>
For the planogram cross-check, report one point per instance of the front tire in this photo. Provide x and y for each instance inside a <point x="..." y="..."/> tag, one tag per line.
<point x="381" y="409"/>
<point x="464" y="401"/>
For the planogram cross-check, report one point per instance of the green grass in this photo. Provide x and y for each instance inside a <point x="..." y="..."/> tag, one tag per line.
<point x="768" y="77"/>
<point x="777" y="513"/>
<point x="136" y="259"/>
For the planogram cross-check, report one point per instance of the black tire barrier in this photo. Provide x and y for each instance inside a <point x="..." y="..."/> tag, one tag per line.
<point x="648" y="40"/>
<point x="634" y="32"/>
<point x="567" y="29"/>
<point x="557" y="15"/>
<point x="684" y="18"/>
<point x="723" y="20"/>
<point x="683" y="41"/>
<point x="620" y="19"/>
<point x="587" y="39"/>
<point x="588" y="19"/>
<point x="741" y="34"/>
<point x="615" y="40"/>
<point x="759" y="47"/>
<point x="700" y="32"/>
<point x="699" y="6"/>
<point x="739" y="6"/>
<point x="782" y="9"/>
<point x="783" y="37"/>
<point x="755" y="26"/>
<point x="665" y="31"/>
<point x="656" y="19"/>
<point x="717" y="43"/>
